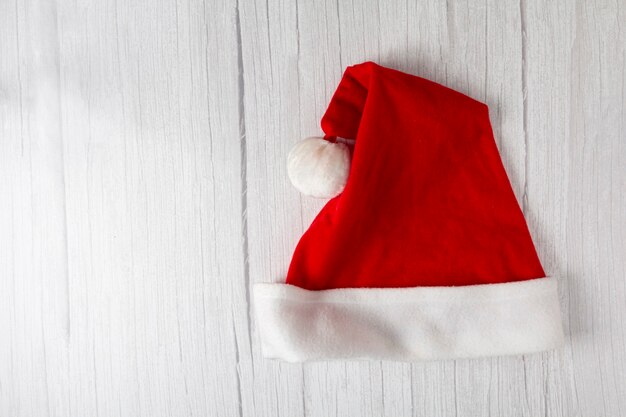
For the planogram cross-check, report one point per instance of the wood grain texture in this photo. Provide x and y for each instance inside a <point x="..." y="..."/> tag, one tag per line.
<point x="143" y="190"/>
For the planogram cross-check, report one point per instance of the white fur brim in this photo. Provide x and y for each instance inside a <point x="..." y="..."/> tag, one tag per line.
<point x="407" y="324"/>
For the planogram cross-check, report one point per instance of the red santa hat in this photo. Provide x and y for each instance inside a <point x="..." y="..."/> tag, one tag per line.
<point x="424" y="253"/>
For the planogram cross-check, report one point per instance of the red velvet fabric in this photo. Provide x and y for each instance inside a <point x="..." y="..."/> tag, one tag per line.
<point x="427" y="203"/>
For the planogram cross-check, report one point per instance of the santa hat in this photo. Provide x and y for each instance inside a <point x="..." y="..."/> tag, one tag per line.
<point x="424" y="253"/>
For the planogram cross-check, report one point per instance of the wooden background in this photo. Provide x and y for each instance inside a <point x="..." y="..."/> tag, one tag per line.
<point x="143" y="191"/>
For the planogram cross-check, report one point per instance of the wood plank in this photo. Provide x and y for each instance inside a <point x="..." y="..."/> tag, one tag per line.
<point x="576" y="166"/>
<point x="546" y="70"/>
<point x="34" y="321"/>
<point x="153" y="166"/>
<point x="331" y="389"/>
<point x="271" y="100"/>
<point x="484" y="60"/>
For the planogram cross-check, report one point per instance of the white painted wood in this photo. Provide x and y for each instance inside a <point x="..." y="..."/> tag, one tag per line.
<point x="143" y="189"/>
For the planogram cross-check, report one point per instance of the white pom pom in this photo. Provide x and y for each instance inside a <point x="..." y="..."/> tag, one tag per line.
<point x="319" y="168"/>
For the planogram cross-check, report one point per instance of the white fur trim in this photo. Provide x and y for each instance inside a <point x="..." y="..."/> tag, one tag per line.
<point x="407" y="324"/>
<point x="319" y="168"/>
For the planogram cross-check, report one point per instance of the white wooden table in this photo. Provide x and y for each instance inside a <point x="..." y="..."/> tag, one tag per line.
<point x="143" y="190"/>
